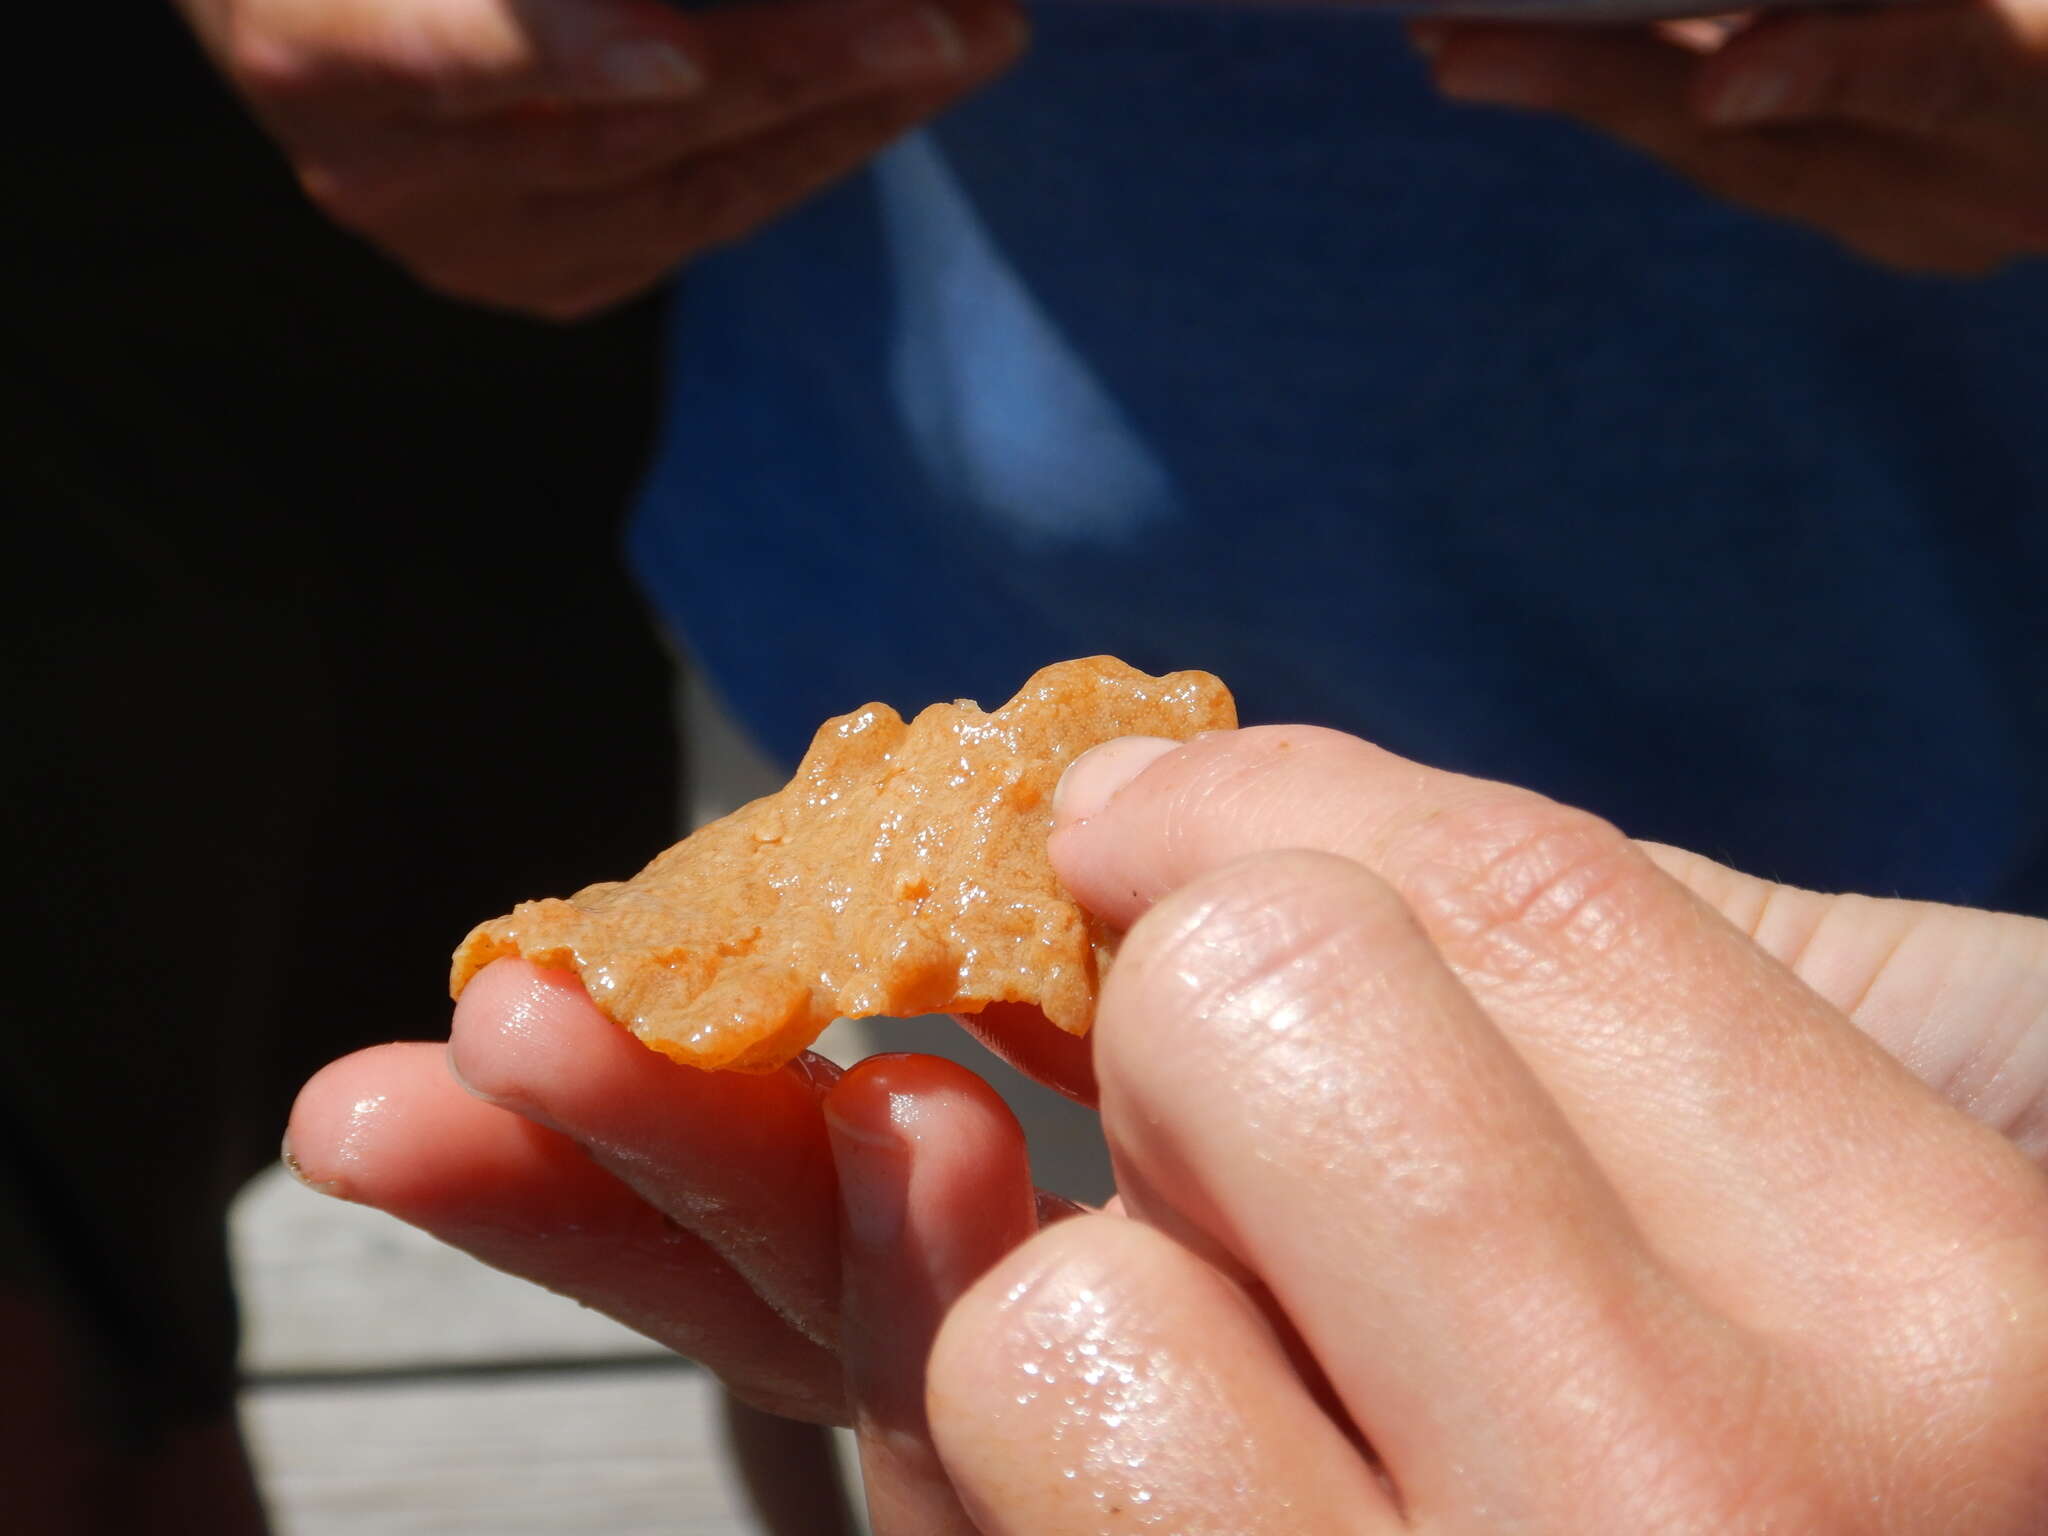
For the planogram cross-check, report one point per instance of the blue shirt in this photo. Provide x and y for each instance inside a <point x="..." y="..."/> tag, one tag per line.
<point x="1212" y="338"/>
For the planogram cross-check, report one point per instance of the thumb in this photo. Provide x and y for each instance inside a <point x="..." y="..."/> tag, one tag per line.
<point x="1960" y="997"/>
<point x="1918" y="69"/>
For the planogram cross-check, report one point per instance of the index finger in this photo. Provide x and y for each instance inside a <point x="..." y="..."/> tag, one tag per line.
<point x="1749" y="1127"/>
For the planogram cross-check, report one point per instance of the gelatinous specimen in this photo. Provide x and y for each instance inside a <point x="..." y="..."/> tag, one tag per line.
<point x="902" y="871"/>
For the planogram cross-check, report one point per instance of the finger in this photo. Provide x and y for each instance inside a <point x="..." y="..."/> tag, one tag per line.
<point x="1103" y="1379"/>
<point x="790" y="1471"/>
<point x="566" y="255"/>
<point x="454" y="57"/>
<point x="1897" y="201"/>
<point x="780" y="61"/>
<point x="740" y="1160"/>
<point x="390" y="1128"/>
<point x="935" y="1186"/>
<point x="767" y="65"/>
<point x="1035" y="1046"/>
<point x="1950" y="68"/>
<point x="1959" y="997"/>
<point x="1289" y="1069"/>
<point x="1755" y="1136"/>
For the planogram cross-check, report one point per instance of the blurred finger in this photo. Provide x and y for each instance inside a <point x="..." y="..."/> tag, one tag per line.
<point x="390" y="1128"/>
<point x="1427" y="1218"/>
<point x="769" y="65"/>
<point x="1952" y="67"/>
<point x="454" y="57"/>
<point x="783" y="60"/>
<point x="1102" y="1379"/>
<point x="739" y="1159"/>
<point x="1895" y="200"/>
<point x="935" y="1186"/>
<point x="567" y="254"/>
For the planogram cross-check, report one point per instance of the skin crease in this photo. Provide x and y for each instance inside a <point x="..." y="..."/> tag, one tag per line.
<point x="560" y="156"/>
<point x="1595" y="1215"/>
<point x="1917" y="135"/>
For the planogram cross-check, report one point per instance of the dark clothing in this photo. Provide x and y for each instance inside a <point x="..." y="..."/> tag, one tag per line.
<point x="319" y="652"/>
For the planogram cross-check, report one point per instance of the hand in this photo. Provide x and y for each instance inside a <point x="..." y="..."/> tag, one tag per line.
<point x="702" y="1209"/>
<point x="1486" y="1178"/>
<point x="1916" y="134"/>
<point x="558" y="156"/>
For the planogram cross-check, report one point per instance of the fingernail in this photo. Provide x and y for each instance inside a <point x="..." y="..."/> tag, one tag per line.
<point x="646" y="71"/>
<point x="874" y="1183"/>
<point x="818" y="1072"/>
<point x="454" y="1066"/>
<point x="1492" y="76"/>
<point x="1092" y="779"/>
<point x="1052" y="1208"/>
<point x="923" y="41"/>
<point x="297" y="1170"/>
<point x="1758" y="96"/>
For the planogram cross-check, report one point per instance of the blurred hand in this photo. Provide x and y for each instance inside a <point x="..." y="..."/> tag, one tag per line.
<point x="1916" y="134"/>
<point x="1486" y="1179"/>
<point x="558" y="156"/>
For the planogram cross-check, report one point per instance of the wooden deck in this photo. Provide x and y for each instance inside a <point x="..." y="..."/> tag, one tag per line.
<point x="400" y="1387"/>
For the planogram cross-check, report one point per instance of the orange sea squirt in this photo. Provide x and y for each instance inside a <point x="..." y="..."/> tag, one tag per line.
<point x="902" y="871"/>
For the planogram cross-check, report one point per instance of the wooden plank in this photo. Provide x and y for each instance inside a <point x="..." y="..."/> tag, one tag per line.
<point x="328" y="1286"/>
<point x="619" y="1451"/>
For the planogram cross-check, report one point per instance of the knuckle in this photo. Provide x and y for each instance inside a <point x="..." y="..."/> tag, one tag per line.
<point x="1516" y="885"/>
